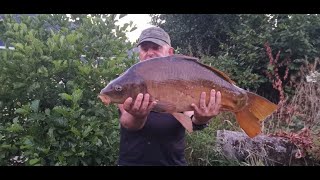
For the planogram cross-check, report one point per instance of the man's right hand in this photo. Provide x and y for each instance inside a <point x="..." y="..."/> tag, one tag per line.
<point x="135" y="114"/>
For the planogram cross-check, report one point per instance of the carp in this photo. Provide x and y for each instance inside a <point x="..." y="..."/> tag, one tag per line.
<point x="176" y="81"/>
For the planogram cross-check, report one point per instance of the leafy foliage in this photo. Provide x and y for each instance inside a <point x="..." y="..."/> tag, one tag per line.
<point x="197" y="32"/>
<point x="49" y="110"/>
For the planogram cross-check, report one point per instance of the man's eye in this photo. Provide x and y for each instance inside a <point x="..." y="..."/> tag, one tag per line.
<point x="145" y="49"/>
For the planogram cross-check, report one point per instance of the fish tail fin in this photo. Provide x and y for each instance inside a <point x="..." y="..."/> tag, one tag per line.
<point x="254" y="113"/>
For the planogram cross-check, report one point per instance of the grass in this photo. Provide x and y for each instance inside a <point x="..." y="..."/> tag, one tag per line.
<point x="201" y="147"/>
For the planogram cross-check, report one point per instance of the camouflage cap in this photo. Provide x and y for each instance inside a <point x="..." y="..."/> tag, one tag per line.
<point x="156" y="35"/>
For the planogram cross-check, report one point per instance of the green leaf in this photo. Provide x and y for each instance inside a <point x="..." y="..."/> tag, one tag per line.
<point x="98" y="160"/>
<point x="67" y="153"/>
<point x="98" y="143"/>
<point x="81" y="154"/>
<point x="15" y="120"/>
<point x="50" y="133"/>
<point x="15" y="128"/>
<point x="47" y="112"/>
<point x="6" y="146"/>
<point x="23" y="26"/>
<point x="75" y="131"/>
<point x="87" y="131"/>
<point x="71" y="38"/>
<point x="62" y="38"/>
<point x="270" y="67"/>
<point x="43" y="70"/>
<point x="17" y="85"/>
<point x="21" y="111"/>
<point x="44" y="150"/>
<point x="19" y="46"/>
<point x="34" y="161"/>
<point x="57" y="63"/>
<point x="122" y="15"/>
<point x="64" y="111"/>
<point x="27" y="141"/>
<point x="16" y="27"/>
<point x="84" y="69"/>
<point x="35" y="105"/>
<point x="76" y="95"/>
<point x="61" y="122"/>
<point x="61" y="159"/>
<point x="34" y="86"/>
<point x="65" y="96"/>
<point x="124" y="27"/>
<point x="134" y="28"/>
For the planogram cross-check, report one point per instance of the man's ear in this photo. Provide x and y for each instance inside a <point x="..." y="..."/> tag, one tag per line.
<point x="171" y="51"/>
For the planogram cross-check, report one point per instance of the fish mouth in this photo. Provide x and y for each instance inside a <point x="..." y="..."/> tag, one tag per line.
<point x="105" y="99"/>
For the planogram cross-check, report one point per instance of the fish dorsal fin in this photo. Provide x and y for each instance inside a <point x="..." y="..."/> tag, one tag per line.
<point x="219" y="73"/>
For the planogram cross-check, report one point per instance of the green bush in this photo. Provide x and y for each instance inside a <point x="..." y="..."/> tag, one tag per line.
<point x="49" y="110"/>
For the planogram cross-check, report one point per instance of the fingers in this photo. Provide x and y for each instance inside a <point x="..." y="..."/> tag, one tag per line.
<point x="203" y="101"/>
<point x="218" y="101"/>
<point x="127" y="104"/>
<point x="204" y="113"/>
<point x="195" y="107"/>
<point x="151" y="105"/>
<point x="147" y="105"/>
<point x="145" y="102"/>
<point x="213" y="105"/>
<point x="141" y="105"/>
<point x="212" y="100"/>
<point x="137" y="103"/>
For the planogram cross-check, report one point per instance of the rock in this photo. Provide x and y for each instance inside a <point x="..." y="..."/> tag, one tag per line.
<point x="260" y="150"/>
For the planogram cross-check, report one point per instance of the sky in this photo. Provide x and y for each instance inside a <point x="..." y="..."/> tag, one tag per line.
<point x="141" y="21"/>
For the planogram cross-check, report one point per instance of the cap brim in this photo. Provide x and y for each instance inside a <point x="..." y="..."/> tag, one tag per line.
<point x="157" y="41"/>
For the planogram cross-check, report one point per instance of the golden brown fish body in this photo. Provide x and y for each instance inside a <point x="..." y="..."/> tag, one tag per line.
<point x="177" y="81"/>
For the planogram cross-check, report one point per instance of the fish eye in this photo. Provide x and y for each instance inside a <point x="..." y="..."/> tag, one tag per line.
<point x="118" y="87"/>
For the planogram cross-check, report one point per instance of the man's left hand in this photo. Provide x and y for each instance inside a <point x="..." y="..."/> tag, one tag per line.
<point x="204" y="113"/>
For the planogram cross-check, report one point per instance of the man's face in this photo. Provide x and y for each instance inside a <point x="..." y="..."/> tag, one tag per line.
<point x="148" y="50"/>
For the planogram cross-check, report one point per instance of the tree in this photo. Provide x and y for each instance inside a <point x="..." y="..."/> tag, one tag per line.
<point x="197" y="32"/>
<point x="49" y="111"/>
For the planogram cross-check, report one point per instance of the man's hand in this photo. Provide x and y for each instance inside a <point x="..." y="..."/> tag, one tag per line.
<point x="204" y="113"/>
<point x="135" y="114"/>
<point x="140" y="108"/>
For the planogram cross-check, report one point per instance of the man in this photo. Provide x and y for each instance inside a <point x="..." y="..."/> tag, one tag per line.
<point x="151" y="138"/>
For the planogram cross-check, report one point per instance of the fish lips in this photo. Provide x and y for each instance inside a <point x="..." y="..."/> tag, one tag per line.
<point x="105" y="99"/>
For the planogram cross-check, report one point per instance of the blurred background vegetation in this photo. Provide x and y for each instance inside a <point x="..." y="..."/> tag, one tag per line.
<point x="54" y="66"/>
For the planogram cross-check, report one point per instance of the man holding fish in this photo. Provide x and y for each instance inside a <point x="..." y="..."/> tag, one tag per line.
<point x="153" y="138"/>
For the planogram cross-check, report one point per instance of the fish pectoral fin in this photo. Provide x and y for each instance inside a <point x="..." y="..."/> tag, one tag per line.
<point x="163" y="106"/>
<point x="184" y="120"/>
<point x="166" y="107"/>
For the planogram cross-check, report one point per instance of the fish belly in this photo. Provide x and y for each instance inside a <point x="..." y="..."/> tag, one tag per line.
<point x="181" y="94"/>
